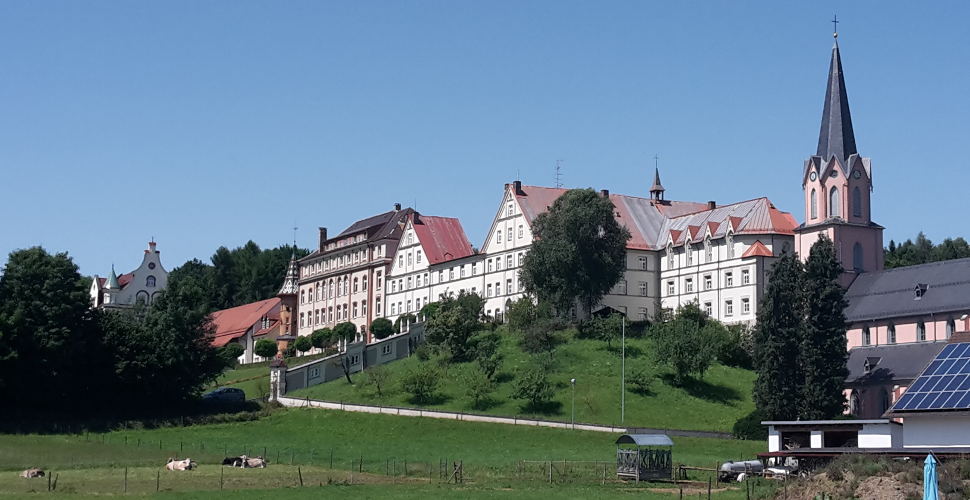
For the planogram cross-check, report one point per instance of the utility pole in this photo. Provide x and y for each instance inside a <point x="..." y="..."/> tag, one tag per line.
<point x="623" y="370"/>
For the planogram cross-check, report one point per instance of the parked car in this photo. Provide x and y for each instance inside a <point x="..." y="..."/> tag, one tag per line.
<point x="225" y="395"/>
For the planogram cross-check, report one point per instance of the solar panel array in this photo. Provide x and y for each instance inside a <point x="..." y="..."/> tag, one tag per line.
<point x="943" y="385"/>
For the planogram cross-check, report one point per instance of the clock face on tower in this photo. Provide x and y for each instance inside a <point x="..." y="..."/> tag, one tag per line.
<point x="813" y="176"/>
<point x="857" y="174"/>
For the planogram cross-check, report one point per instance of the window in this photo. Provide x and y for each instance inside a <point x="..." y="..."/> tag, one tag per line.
<point x="835" y="203"/>
<point x="410" y="283"/>
<point x="729" y="242"/>
<point x="417" y="257"/>
<point x="920" y="331"/>
<point x="520" y="258"/>
<point x="729" y="279"/>
<point x="302" y="320"/>
<point x="303" y="296"/>
<point x="393" y="309"/>
<point x="644" y="314"/>
<point x="621" y="287"/>
<point x="451" y="274"/>
<point x="488" y="290"/>
<point x="150" y="282"/>
<point x="356" y="285"/>
<point x="670" y="287"/>
<point x="690" y="254"/>
<point x="509" y="236"/>
<point x="745" y="306"/>
<point x="708" y="250"/>
<point x="857" y="257"/>
<point x="510" y="210"/>
<point x="410" y="238"/>
<point x="410" y="259"/>
<point x="814" y="203"/>
<point x="418" y="281"/>
<point x="364" y="283"/>
<point x="520" y="231"/>
<point x="409" y="306"/>
<point x="314" y="372"/>
<point x="400" y="284"/>
<point x="363" y="307"/>
<point x="708" y="308"/>
<point x="386" y="349"/>
<point x="330" y="314"/>
<point x="379" y="280"/>
<point x="866" y="336"/>
<point x="670" y="256"/>
<point x="316" y="317"/>
<point x="474" y="268"/>
<point x="856" y="202"/>
<point x="950" y="327"/>
<point x="729" y="308"/>
<point x="461" y="271"/>
<point x="643" y="288"/>
<point x="489" y="265"/>
<point x="689" y="285"/>
<point x="498" y="236"/>
<point x="355" y="359"/>
<point x="643" y="263"/>
<point x="708" y="282"/>
<point x="393" y="286"/>
<point x="400" y="260"/>
<point x="891" y="334"/>
<point x="498" y="263"/>
<point x="745" y="277"/>
<point x="355" y="310"/>
<point x="508" y="287"/>
<point x="508" y="261"/>
<point x="378" y="309"/>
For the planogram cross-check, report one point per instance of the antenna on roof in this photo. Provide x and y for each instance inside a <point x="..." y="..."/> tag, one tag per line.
<point x="558" y="173"/>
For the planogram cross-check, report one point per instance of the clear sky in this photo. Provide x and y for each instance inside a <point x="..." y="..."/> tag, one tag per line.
<point x="212" y="123"/>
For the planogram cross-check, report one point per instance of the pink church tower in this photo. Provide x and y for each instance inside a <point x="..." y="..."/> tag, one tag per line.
<point x="837" y="183"/>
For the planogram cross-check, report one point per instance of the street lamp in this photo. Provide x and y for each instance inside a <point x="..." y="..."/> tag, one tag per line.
<point x="573" y="382"/>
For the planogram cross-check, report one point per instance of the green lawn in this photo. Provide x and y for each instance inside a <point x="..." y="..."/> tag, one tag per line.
<point x="713" y="403"/>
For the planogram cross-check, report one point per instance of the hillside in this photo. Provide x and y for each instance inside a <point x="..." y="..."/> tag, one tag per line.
<point x="713" y="403"/>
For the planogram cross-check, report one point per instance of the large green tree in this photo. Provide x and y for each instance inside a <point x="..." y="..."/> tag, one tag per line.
<point x="688" y="343"/>
<point x="48" y="335"/>
<point x="454" y="323"/>
<point x="579" y="251"/>
<point x="922" y="250"/>
<point x="781" y="316"/>
<point x="823" y="345"/>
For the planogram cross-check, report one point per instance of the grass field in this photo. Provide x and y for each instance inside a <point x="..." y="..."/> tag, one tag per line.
<point x="713" y="403"/>
<point x="94" y="463"/>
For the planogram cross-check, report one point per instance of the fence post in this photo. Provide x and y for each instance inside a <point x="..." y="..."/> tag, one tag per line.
<point x="550" y="471"/>
<point x="158" y="478"/>
<point x="708" y="488"/>
<point x="331" y="458"/>
<point x="126" y="480"/>
<point x="300" y="473"/>
<point x="222" y="475"/>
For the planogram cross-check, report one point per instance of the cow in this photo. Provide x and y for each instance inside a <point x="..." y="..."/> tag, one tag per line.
<point x="256" y="463"/>
<point x="245" y="462"/>
<point x="29" y="473"/>
<point x="186" y="464"/>
<point x="234" y="461"/>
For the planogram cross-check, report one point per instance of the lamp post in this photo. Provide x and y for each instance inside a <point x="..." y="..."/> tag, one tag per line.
<point x="573" y="382"/>
<point x="623" y="370"/>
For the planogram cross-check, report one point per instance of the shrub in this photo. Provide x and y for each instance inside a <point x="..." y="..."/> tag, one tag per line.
<point x="685" y="342"/>
<point x="478" y="387"/>
<point x="639" y="379"/>
<point x="321" y="338"/>
<point x="454" y="324"/>
<point x="606" y="328"/>
<point x="531" y="383"/>
<point x="749" y="427"/>
<point x="521" y="314"/>
<point x="303" y="344"/>
<point x="422" y="382"/>
<point x="539" y="337"/>
<point x="735" y="347"/>
<point x="265" y="348"/>
<point x="484" y="347"/>
<point x="345" y="331"/>
<point x="377" y="377"/>
<point x="231" y="352"/>
<point x="381" y="328"/>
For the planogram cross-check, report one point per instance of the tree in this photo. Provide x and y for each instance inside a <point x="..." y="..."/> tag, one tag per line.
<point x="688" y="343"/>
<point x="377" y="377"/>
<point x="479" y="388"/>
<point x="428" y="311"/>
<point x="421" y="382"/>
<point x="230" y="353"/>
<point x="579" y="251"/>
<point x="640" y="379"/>
<point x="455" y="322"/>
<point x="49" y="343"/>
<point x="402" y="321"/>
<point x="776" y="341"/>
<point x="823" y="346"/>
<point x="303" y="344"/>
<point x="539" y="337"/>
<point x="485" y="349"/>
<point x="606" y="329"/>
<point x="345" y="331"/>
<point x="532" y="385"/>
<point x="321" y="338"/>
<point x="265" y="348"/>
<point x="381" y="328"/>
<point x="922" y="251"/>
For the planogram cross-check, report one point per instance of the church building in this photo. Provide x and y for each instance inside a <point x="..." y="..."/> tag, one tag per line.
<point x="143" y="285"/>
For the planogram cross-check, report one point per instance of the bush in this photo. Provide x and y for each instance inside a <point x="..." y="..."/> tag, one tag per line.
<point x="484" y="347"/>
<point x="381" y="328"/>
<point x="231" y="352"/>
<point x="539" y="337"/>
<point x="265" y="348"/>
<point x="606" y="328"/>
<point x="454" y="324"/>
<point x="377" y="377"/>
<point x="749" y="427"/>
<point x="321" y="338"/>
<point x="531" y="383"/>
<point x="422" y="382"/>
<point x="303" y="344"/>
<point x="736" y="347"/>
<point x="639" y="379"/>
<point x="345" y="331"/>
<point x="522" y="314"/>
<point x="479" y="388"/>
<point x="685" y="342"/>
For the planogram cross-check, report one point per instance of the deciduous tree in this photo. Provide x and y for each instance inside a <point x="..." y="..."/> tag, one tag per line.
<point x="456" y="320"/>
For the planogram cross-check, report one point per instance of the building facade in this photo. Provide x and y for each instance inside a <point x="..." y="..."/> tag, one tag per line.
<point x="143" y="285"/>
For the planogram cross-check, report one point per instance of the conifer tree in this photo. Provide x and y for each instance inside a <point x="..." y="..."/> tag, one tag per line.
<point x="778" y="386"/>
<point x="823" y="344"/>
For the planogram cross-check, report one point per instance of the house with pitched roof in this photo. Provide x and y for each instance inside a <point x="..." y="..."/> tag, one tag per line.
<point x="247" y="324"/>
<point x="429" y="253"/>
<point x="143" y="285"/>
<point x="343" y="279"/>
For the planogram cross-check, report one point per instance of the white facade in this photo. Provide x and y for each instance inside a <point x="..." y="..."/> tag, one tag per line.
<point x="460" y="275"/>
<point x="937" y="431"/>
<point x="505" y="246"/>
<point x="408" y="287"/>
<point x="143" y="285"/>
<point x="875" y="433"/>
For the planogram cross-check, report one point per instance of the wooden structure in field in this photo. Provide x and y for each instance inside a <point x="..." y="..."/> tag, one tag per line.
<point x="644" y="457"/>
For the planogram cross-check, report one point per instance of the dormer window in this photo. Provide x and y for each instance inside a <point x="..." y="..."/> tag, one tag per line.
<point x="919" y="291"/>
<point x="870" y="364"/>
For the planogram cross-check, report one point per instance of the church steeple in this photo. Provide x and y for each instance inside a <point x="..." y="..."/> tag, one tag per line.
<point x="836" y="137"/>
<point x="290" y="286"/>
<point x="657" y="190"/>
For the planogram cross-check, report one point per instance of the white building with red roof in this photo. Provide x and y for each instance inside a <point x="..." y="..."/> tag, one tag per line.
<point x="433" y="257"/>
<point x="246" y="324"/>
<point x="143" y="285"/>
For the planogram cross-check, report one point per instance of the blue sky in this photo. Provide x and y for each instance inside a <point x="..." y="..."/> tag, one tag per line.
<point x="212" y="123"/>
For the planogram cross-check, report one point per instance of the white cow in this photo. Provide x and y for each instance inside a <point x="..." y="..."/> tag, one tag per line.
<point x="186" y="464"/>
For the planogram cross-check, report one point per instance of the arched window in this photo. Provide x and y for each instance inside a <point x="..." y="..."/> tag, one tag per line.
<point x="887" y="400"/>
<point x="950" y="327"/>
<point x="729" y="241"/>
<point x="856" y="202"/>
<point x="150" y="282"/>
<point x="854" y="406"/>
<point x="141" y="298"/>
<point x="814" y="203"/>
<point x="835" y="203"/>
<point x="891" y="334"/>
<point x="708" y="250"/>
<point x="690" y="254"/>
<point x="857" y="257"/>
<point x="670" y="256"/>
<point x="866" y="336"/>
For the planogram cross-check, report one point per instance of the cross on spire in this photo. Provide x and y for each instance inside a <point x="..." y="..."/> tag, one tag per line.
<point x="835" y="26"/>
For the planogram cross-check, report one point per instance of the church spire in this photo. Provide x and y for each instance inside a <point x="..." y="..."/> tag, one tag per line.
<point x="657" y="190"/>
<point x="836" y="137"/>
<point x="290" y="286"/>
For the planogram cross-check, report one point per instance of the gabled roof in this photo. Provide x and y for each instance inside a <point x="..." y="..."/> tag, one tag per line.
<point x="896" y="362"/>
<point x="757" y="249"/>
<point x="381" y="226"/>
<point x="891" y="293"/>
<point x="836" y="137"/>
<point x="757" y="216"/>
<point x="442" y="238"/>
<point x="233" y="323"/>
<point x="123" y="281"/>
<point x="368" y="223"/>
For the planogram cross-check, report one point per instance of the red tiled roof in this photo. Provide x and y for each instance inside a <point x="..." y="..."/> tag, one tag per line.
<point x="442" y="238"/>
<point x="758" y="249"/>
<point x="123" y="280"/>
<point x="233" y="323"/>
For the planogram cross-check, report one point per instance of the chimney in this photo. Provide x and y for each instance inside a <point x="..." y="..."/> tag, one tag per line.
<point x="518" y="187"/>
<point x="323" y="237"/>
<point x="711" y="205"/>
<point x="605" y="193"/>
<point x="397" y="207"/>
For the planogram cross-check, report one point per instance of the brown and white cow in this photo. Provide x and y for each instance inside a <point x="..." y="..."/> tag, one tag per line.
<point x="186" y="464"/>
<point x="29" y="473"/>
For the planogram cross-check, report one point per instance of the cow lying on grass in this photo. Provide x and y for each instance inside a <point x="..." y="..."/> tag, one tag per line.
<point x="29" y="473"/>
<point x="244" y="462"/>
<point x="186" y="464"/>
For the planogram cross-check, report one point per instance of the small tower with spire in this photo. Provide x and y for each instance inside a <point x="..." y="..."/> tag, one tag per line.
<point x="657" y="190"/>
<point x="837" y="183"/>
<point x="288" y="305"/>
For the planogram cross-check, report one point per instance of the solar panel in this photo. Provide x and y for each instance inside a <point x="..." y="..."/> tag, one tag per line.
<point x="943" y="385"/>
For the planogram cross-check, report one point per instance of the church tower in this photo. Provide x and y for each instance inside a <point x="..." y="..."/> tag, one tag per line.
<point x="837" y="184"/>
<point x="288" y="305"/>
